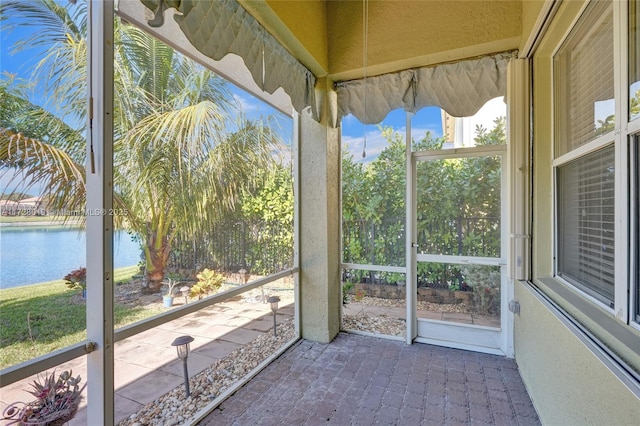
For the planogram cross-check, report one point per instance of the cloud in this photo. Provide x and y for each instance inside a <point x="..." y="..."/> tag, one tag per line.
<point x="248" y="105"/>
<point x="376" y="143"/>
<point x="350" y="120"/>
<point x="255" y="109"/>
<point x="419" y="132"/>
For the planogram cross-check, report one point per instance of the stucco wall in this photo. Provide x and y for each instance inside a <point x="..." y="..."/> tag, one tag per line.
<point x="307" y="21"/>
<point x="404" y="34"/>
<point x="327" y="36"/>
<point x="531" y="11"/>
<point x="300" y="26"/>
<point x="320" y="296"/>
<point x="568" y="384"/>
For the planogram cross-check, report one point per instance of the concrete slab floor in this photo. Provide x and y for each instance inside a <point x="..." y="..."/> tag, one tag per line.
<point x="146" y="365"/>
<point x="218" y="349"/>
<point x="241" y="336"/>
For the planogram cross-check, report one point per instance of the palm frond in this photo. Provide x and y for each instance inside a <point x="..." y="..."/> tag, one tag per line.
<point x="53" y="171"/>
<point x="19" y="115"/>
<point x="150" y="61"/>
<point x="55" y="21"/>
<point x="60" y="43"/>
<point x="62" y="74"/>
<point x="193" y="129"/>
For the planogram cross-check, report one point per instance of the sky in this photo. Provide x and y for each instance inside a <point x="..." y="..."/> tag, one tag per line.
<point x="353" y="132"/>
<point x="21" y="63"/>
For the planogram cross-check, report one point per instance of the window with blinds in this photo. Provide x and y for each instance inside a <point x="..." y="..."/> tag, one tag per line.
<point x="585" y="192"/>
<point x="584" y="74"/>
<point x="586" y="223"/>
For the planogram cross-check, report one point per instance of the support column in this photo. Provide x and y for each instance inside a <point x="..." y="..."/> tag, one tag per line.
<point x="319" y="168"/>
<point x="99" y="181"/>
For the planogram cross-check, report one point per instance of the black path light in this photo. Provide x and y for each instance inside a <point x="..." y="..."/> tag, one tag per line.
<point x="182" y="346"/>
<point x="273" y="300"/>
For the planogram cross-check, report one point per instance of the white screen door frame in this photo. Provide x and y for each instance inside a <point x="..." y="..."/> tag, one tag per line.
<point x="495" y="340"/>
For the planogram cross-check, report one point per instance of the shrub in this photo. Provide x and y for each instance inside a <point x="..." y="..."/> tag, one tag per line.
<point x="485" y="282"/>
<point x="208" y="281"/>
<point x="76" y="278"/>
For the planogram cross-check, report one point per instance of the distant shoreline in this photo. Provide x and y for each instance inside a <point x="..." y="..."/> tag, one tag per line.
<point x="35" y="224"/>
<point x="14" y="222"/>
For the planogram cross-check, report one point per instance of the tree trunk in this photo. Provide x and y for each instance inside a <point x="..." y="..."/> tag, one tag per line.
<point x="158" y="250"/>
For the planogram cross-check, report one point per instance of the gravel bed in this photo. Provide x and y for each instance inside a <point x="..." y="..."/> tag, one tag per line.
<point x="444" y="307"/>
<point x="400" y="303"/>
<point x="385" y="324"/>
<point x="174" y="409"/>
<point x="378" y="324"/>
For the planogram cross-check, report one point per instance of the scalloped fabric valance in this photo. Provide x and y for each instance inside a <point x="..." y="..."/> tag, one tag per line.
<point x="217" y="28"/>
<point x="460" y="88"/>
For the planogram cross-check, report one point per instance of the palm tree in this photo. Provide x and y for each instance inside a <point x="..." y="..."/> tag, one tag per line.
<point x="40" y="149"/>
<point x="33" y="140"/>
<point x="182" y="151"/>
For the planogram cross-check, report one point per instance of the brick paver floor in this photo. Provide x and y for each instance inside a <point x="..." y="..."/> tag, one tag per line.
<point x="360" y="380"/>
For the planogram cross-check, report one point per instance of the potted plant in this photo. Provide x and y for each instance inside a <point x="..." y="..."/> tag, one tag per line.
<point x="56" y="401"/>
<point x="167" y="299"/>
<point x="77" y="279"/>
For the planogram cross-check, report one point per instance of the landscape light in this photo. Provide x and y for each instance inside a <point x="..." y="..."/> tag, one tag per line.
<point x="185" y="293"/>
<point x="273" y="300"/>
<point x="182" y="347"/>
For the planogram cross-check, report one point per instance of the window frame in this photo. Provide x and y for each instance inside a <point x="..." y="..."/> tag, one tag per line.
<point x="588" y="292"/>
<point x="626" y="303"/>
<point x="634" y="228"/>
<point x="632" y="145"/>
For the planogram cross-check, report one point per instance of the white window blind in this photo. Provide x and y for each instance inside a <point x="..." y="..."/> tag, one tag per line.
<point x="585" y="110"/>
<point x="586" y="223"/>
<point x="584" y="75"/>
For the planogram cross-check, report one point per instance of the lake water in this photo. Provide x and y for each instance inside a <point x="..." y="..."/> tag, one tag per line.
<point x="34" y="255"/>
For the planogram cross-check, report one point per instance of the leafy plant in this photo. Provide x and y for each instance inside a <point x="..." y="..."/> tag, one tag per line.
<point x="76" y="278"/>
<point x="394" y="277"/>
<point x="171" y="281"/>
<point x="346" y="288"/>
<point x="458" y="206"/>
<point x="208" y="281"/>
<point x="485" y="283"/>
<point x="56" y="401"/>
<point x="183" y="151"/>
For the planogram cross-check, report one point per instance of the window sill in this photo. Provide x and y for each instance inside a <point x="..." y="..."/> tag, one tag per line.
<point x="615" y="338"/>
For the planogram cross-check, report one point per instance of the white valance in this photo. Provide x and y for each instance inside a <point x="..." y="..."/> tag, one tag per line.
<point x="460" y="88"/>
<point x="217" y="28"/>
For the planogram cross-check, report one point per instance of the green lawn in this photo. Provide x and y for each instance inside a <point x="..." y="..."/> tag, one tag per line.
<point x="40" y="318"/>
